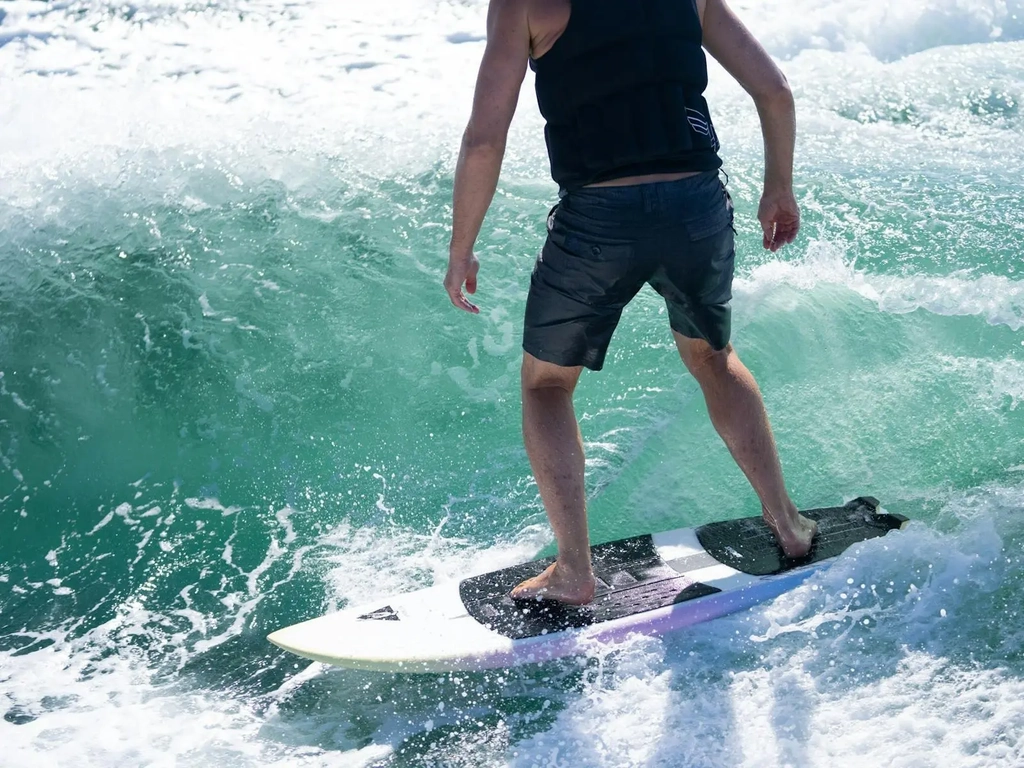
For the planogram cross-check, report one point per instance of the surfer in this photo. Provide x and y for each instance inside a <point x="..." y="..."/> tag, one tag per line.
<point x="632" y="146"/>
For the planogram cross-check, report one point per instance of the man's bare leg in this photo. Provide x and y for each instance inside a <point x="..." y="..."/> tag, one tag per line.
<point x="737" y="411"/>
<point x="555" y="447"/>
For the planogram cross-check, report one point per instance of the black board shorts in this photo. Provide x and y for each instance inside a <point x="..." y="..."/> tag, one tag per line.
<point x="605" y="243"/>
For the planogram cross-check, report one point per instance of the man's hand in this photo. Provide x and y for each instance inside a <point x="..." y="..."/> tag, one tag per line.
<point x="462" y="269"/>
<point x="502" y="70"/>
<point x="738" y="51"/>
<point x="779" y="215"/>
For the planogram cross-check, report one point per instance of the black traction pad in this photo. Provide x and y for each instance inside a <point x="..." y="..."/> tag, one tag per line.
<point x="749" y="546"/>
<point x="631" y="578"/>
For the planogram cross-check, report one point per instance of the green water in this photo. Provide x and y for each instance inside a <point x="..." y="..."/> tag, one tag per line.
<point x="284" y="350"/>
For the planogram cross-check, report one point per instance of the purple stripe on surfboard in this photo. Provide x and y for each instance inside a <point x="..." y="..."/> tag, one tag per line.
<point x="656" y="622"/>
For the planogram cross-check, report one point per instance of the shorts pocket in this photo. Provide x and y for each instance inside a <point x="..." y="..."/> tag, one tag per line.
<point x="710" y="219"/>
<point x="710" y="222"/>
<point x="590" y="240"/>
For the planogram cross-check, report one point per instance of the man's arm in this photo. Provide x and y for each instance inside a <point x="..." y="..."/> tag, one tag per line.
<point x="738" y="51"/>
<point x="483" y="144"/>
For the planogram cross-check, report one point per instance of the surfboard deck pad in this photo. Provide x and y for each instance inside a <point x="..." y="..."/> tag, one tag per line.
<point x="633" y="578"/>
<point x="748" y="545"/>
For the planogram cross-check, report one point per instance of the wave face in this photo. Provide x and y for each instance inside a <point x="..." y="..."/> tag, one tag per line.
<point x="233" y="396"/>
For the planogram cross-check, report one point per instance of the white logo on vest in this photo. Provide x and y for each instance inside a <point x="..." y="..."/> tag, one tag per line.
<point x="701" y="123"/>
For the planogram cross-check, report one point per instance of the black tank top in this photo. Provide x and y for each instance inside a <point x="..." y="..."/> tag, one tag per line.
<point x="622" y="92"/>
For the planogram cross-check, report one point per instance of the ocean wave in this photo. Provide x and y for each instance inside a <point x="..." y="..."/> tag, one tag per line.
<point x="888" y="31"/>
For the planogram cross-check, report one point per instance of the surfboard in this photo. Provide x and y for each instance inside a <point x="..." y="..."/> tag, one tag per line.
<point x="650" y="584"/>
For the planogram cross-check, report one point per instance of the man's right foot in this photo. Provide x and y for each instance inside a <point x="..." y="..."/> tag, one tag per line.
<point x="794" y="532"/>
<point x="559" y="584"/>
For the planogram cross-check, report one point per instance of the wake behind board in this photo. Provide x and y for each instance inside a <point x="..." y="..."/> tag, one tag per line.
<point x="648" y="584"/>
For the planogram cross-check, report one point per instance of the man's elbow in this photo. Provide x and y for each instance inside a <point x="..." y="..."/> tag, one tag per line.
<point x="774" y="93"/>
<point x="481" y="139"/>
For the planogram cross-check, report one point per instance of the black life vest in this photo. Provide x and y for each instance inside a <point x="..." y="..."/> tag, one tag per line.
<point x="622" y="92"/>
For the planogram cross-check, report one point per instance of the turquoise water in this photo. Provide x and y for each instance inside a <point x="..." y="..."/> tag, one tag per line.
<point x="233" y="395"/>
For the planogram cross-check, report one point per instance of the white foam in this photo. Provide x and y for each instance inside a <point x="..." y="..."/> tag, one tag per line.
<point x="366" y="564"/>
<point x="919" y="709"/>
<point x="995" y="381"/>
<point x="79" y="708"/>
<point x="621" y="716"/>
<point x="887" y="30"/>
<point x="249" y="81"/>
<point x="994" y="298"/>
<point x="209" y="503"/>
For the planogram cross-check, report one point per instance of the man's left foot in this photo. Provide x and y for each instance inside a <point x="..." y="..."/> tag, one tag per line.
<point x="560" y="584"/>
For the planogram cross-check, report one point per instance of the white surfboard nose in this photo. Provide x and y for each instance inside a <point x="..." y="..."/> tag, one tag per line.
<point x="352" y="639"/>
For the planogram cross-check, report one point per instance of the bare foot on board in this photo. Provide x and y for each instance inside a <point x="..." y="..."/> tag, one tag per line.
<point x="559" y="584"/>
<point x="794" y="532"/>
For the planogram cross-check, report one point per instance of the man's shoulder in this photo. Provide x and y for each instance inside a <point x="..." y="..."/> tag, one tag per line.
<point x="541" y="9"/>
<point x="505" y="9"/>
<point x="507" y="6"/>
